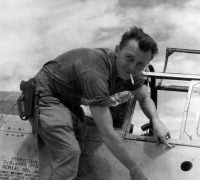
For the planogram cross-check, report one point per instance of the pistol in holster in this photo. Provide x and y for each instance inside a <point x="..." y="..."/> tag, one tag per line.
<point x="28" y="103"/>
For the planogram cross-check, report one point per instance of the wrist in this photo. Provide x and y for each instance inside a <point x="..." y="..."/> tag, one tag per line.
<point x="155" y="120"/>
<point x="134" y="167"/>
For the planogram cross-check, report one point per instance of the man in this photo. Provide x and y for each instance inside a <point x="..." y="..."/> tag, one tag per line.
<point x="89" y="77"/>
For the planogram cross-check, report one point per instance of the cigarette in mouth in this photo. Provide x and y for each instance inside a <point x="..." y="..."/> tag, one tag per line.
<point x="131" y="78"/>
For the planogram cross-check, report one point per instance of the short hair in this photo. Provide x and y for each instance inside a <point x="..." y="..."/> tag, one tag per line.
<point x="145" y="42"/>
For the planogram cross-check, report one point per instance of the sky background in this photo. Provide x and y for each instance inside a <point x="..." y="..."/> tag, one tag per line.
<point x="35" y="31"/>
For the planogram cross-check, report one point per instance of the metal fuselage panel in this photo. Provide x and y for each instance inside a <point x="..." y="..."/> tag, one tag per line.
<point x="159" y="162"/>
<point x="19" y="152"/>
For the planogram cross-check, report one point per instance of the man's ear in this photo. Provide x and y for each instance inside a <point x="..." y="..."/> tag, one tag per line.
<point x="116" y="50"/>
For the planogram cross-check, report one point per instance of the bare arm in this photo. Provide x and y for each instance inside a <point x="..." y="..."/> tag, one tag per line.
<point x="103" y="120"/>
<point x="148" y="107"/>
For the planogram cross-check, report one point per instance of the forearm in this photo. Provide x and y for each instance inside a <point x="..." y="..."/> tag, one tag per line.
<point x="149" y="109"/>
<point x="112" y="140"/>
<point x="119" y="150"/>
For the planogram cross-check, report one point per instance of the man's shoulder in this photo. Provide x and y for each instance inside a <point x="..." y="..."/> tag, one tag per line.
<point x="95" y="61"/>
<point x="105" y="51"/>
<point x="95" y="52"/>
<point x="86" y="53"/>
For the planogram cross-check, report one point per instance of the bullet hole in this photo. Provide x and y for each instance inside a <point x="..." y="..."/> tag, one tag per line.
<point x="186" y="166"/>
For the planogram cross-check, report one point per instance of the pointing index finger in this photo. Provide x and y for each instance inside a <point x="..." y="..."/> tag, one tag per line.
<point x="166" y="143"/>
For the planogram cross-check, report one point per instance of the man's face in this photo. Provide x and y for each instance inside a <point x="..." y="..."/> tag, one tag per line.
<point x="131" y="60"/>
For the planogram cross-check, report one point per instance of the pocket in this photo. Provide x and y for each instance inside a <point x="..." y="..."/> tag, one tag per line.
<point x="52" y="113"/>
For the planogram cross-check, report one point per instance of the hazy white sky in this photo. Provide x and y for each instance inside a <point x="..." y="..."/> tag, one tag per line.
<point x="35" y="31"/>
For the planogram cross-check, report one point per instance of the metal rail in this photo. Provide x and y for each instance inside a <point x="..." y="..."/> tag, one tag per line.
<point x="170" y="51"/>
<point x="172" y="76"/>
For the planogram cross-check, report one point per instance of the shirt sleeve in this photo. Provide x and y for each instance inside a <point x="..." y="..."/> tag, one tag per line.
<point x="138" y="82"/>
<point x="95" y="90"/>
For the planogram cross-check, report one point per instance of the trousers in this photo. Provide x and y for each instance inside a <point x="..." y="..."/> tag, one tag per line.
<point x="61" y="145"/>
